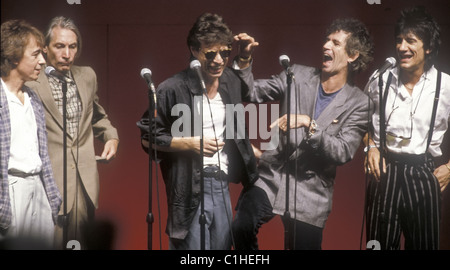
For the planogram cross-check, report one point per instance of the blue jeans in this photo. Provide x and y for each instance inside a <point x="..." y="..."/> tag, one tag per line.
<point x="218" y="215"/>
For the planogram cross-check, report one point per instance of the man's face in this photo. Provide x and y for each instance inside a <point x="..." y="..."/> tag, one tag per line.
<point x="213" y="59"/>
<point x="62" y="49"/>
<point x="32" y="60"/>
<point x="335" y="57"/>
<point x="410" y="52"/>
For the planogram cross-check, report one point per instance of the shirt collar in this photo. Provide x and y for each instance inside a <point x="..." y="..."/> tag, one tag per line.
<point x="13" y="98"/>
<point x="427" y="75"/>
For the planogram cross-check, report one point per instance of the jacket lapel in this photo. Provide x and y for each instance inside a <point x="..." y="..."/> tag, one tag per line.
<point x="308" y="96"/>
<point x="45" y="94"/>
<point x="334" y="109"/>
<point x="82" y="93"/>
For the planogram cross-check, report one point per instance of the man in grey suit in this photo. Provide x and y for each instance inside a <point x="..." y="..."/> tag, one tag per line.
<point x="328" y="118"/>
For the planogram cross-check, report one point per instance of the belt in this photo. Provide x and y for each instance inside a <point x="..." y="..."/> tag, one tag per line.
<point x="214" y="172"/>
<point x="407" y="158"/>
<point x="21" y="174"/>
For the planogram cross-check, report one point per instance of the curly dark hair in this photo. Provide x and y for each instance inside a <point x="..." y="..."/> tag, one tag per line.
<point x="15" y="36"/>
<point x="418" y="21"/>
<point x="359" y="41"/>
<point x="209" y="29"/>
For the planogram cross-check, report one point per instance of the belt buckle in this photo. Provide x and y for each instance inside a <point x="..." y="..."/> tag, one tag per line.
<point x="211" y="171"/>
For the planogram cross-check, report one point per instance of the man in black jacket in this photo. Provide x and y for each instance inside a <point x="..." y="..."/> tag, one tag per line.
<point x="178" y="129"/>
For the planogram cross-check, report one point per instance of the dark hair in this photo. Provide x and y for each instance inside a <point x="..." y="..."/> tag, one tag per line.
<point x="418" y="21"/>
<point x="359" y="40"/>
<point x="209" y="29"/>
<point x="15" y="36"/>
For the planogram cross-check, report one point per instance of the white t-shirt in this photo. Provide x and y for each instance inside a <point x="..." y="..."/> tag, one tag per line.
<point x="217" y="113"/>
<point x="24" y="151"/>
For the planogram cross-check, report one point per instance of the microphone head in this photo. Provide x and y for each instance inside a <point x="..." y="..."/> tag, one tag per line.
<point x="195" y="64"/>
<point x="284" y="58"/>
<point x="145" y="71"/>
<point x="391" y="60"/>
<point x="49" y="70"/>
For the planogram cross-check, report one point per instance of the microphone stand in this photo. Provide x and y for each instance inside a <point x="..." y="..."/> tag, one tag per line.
<point x="369" y="121"/>
<point x="195" y="65"/>
<point x="64" y="109"/>
<point x="151" y="119"/>
<point x="287" y="215"/>
<point x="382" y="107"/>
<point x="202" y="218"/>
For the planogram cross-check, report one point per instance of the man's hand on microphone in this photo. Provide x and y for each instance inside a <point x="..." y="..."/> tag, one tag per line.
<point x="246" y="45"/>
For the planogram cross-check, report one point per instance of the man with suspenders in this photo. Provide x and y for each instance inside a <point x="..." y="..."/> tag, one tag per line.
<point x="407" y="131"/>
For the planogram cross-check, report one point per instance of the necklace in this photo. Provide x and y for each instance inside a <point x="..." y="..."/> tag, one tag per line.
<point x="412" y="113"/>
<point x="418" y="99"/>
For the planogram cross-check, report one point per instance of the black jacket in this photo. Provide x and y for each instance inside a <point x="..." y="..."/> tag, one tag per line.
<point x="181" y="170"/>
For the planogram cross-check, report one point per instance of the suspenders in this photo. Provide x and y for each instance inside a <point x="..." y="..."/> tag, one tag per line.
<point x="436" y="101"/>
<point x="383" y="112"/>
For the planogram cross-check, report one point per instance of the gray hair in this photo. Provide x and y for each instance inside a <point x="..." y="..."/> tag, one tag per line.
<point x="65" y="23"/>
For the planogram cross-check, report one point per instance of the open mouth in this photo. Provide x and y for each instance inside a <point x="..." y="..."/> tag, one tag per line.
<point x="327" y="58"/>
<point x="215" y="69"/>
<point x="405" y="57"/>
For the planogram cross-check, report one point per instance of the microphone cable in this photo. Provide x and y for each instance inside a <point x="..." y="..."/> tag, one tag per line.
<point x="366" y="173"/>
<point x="152" y="133"/>
<point x="366" y="160"/>
<point x="219" y="165"/>
<point x="157" y="186"/>
<point x="156" y="171"/>
<point x="296" y="163"/>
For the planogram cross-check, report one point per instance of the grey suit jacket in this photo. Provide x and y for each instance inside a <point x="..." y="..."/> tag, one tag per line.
<point x="312" y="161"/>
<point x="94" y="122"/>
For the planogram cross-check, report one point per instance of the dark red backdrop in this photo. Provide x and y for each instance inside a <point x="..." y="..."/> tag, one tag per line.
<point x="123" y="36"/>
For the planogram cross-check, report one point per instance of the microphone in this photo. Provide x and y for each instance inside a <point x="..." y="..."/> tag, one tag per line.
<point x="284" y="61"/>
<point x="195" y="65"/>
<point x="146" y="74"/>
<point x="388" y="64"/>
<point x="51" y="71"/>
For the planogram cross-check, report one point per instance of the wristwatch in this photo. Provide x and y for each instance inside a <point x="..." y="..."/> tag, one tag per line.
<point x="367" y="148"/>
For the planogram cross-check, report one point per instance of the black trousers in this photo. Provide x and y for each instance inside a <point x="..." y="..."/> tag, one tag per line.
<point x="407" y="200"/>
<point x="254" y="210"/>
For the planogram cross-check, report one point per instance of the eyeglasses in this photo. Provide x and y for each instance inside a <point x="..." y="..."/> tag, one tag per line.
<point x="392" y="134"/>
<point x="210" y="55"/>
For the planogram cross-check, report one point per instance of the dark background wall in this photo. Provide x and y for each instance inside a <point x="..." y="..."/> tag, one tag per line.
<point x="123" y="36"/>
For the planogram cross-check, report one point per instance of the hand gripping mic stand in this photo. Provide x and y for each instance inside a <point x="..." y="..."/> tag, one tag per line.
<point x="51" y="71"/>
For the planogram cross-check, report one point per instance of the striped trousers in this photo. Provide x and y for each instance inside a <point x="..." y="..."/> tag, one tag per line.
<point x="407" y="200"/>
